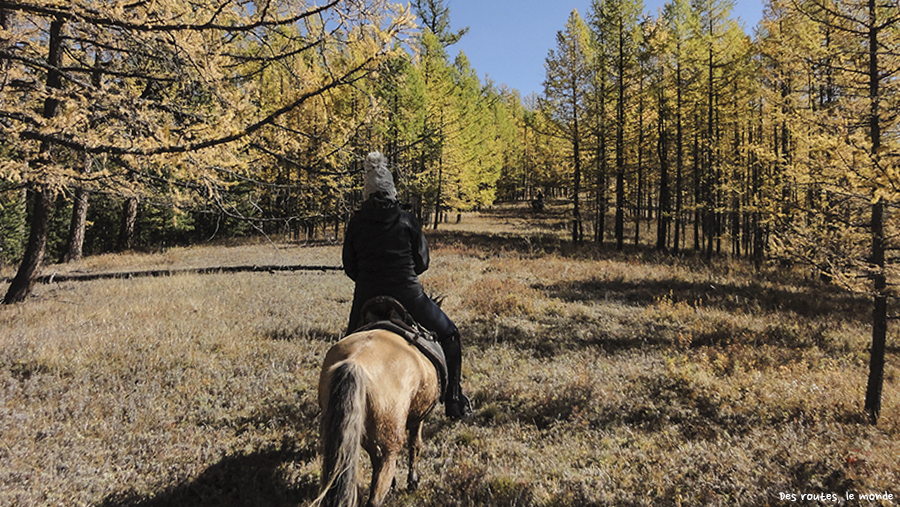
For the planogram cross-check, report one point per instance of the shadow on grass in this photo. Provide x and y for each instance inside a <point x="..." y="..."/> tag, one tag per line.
<point x="489" y="244"/>
<point x="555" y="338"/>
<point x="825" y="302"/>
<point x="246" y="480"/>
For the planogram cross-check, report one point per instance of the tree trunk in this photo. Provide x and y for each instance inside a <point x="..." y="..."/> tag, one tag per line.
<point x="129" y="217"/>
<point x="663" y="217"/>
<point x="438" y="197"/>
<point x="698" y="195"/>
<point x="440" y="179"/>
<point x="620" y="150"/>
<point x="709" y="183"/>
<point x="75" y="248"/>
<point x="679" y="159"/>
<point x="879" y="312"/>
<point x="42" y="208"/>
<point x="602" y="162"/>
<point x="577" y="228"/>
<point x="756" y="191"/>
<point x="639" y="198"/>
<point x="879" y="317"/>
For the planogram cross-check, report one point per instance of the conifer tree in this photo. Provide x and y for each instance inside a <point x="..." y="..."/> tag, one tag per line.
<point x="849" y="108"/>
<point x="438" y="113"/>
<point x="721" y="50"/>
<point x="566" y="90"/>
<point x="679" y="19"/>
<point x="598" y="110"/>
<point x="435" y="17"/>
<point x="615" y="23"/>
<point x="656" y="46"/>
<point x="400" y="91"/>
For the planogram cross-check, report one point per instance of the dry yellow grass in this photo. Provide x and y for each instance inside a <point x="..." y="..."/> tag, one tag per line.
<point x="598" y="379"/>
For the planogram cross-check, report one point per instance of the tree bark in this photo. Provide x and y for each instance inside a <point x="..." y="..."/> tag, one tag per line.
<point x="577" y="227"/>
<point x="879" y="317"/>
<point x="879" y="311"/>
<point x="42" y="207"/>
<point x="129" y="217"/>
<point x="663" y="217"/>
<point x="639" y="197"/>
<point x="709" y="184"/>
<point x="602" y="169"/>
<point x="75" y="248"/>
<point x="620" y="144"/>
<point x="679" y="157"/>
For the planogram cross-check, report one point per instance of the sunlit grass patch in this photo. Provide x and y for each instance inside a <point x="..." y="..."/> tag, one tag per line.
<point x="500" y="297"/>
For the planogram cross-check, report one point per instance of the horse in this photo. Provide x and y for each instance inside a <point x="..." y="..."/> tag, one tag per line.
<point x="375" y="390"/>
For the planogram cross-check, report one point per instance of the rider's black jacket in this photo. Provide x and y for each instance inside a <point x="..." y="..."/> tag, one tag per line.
<point x="385" y="250"/>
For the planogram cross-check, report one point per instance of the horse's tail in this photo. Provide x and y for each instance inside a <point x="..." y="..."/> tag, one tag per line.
<point x="343" y="423"/>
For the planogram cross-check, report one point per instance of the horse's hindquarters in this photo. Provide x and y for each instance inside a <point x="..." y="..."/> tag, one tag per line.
<point x="400" y="388"/>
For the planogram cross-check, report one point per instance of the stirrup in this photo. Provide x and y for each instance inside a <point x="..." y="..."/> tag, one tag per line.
<point x="459" y="409"/>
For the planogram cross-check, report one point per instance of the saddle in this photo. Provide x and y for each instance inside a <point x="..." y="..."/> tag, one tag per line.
<point x="385" y="312"/>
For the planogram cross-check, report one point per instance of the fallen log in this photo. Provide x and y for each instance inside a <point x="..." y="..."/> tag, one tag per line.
<point x="84" y="277"/>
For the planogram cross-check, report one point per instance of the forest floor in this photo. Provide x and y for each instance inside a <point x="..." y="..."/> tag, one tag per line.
<point x="598" y="378"/>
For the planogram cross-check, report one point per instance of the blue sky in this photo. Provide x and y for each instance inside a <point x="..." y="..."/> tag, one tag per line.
<point x="508" y="40"/>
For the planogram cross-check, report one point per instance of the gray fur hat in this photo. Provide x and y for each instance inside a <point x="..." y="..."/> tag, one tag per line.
<point x="378" y="177"/>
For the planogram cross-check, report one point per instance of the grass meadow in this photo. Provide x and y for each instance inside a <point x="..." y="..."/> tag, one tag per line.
<point x="598" y="379"/>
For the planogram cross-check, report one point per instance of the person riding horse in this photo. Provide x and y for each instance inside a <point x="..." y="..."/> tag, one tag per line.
<point x="384" y="251"/>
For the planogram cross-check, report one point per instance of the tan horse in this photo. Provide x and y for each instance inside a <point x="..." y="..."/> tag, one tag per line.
<point x="375" y="390"/>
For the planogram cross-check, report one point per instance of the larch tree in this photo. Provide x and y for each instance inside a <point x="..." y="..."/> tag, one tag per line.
<point x="656" y="47"/>
<point x="566" y="92"/>
<point x="438" y="115"/>
<point x="401" y="92"/>
<point x="599" y="105"/>
<point x="720" y="36"/>
<point x="473" y="140"/>
<point x="679" y="18"/>
<point x="506" y="123"/>
<point x="439" y="112"/>
<point x="849" y="116"/>
<point x="463" y="142"/>
<point x="548" y="160"/>
<point x="435" y="17"/>
<point x="642" y="202"/>
<point x="617" y="26"/>
<point x="514" y="181"/>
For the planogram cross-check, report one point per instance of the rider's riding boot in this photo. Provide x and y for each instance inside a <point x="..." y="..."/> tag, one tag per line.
<point x="456" y="404"/>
